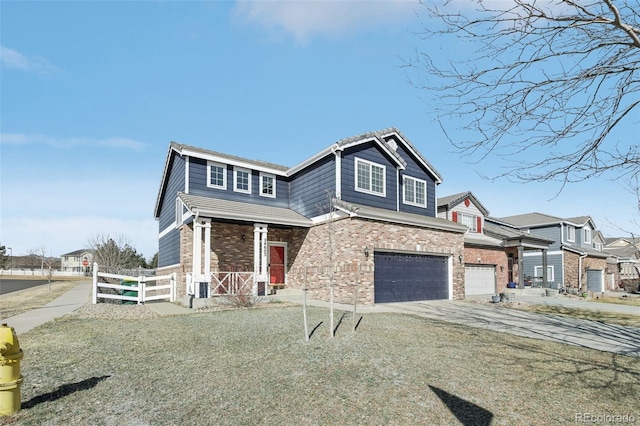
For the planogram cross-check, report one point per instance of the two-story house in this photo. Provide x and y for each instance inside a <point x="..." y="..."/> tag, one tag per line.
<point x="574" y="260"/>
<point x="492" y="248"/>
<point x="78" y="261"/>
<point x="485" y="267"/>
<point x="361" y="213"/>
<point x="625" y="262"/>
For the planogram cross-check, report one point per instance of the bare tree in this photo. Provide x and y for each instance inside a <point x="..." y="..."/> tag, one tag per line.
<point x="546" y="88"/>
<point x="114" y="253"/>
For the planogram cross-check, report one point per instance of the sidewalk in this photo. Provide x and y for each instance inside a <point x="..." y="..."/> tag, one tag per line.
<point x="66" y="303"/>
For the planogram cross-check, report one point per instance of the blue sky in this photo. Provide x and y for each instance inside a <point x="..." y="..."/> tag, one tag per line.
<point x="93" y="92"/>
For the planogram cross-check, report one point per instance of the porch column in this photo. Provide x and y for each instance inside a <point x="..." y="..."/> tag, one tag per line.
<point x="520" y="268"/>
<point x="197" y="250"/>
<point x="198" y="264"/>
<point x="544" y="268"/>
<point x="259" y="255"/>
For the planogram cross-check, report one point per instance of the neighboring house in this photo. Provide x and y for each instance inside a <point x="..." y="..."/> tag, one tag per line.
<point x="574" y="260"/>
<point x="625" y="263"/>
<point x="486" y="262"/>
<point x="76" y="261"/>
<point x="364" y="208"/>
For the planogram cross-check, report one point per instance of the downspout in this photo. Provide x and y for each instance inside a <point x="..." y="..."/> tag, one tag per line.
<point x="582" y="256"/>
<point x="338" y="189"/>
<point x="397" y="189"/>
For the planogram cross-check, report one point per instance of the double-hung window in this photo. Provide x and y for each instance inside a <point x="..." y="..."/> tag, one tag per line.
<point x="242" y="180"/>
<point x="370" y="177"/>
<point x="468" y="220"/>
<point x="267" y="185"/>
<point x="216" y="175"/>
<point x="587" y="235"/>
<point x="537" y="272"/>
<point x="571" y="233"/>
<point x="415" y="191"/>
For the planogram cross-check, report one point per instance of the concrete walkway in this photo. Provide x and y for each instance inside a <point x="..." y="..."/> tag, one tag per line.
<point x="68" y="302"/>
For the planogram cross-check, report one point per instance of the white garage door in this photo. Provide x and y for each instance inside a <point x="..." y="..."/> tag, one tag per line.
<point x="479" y="279"/>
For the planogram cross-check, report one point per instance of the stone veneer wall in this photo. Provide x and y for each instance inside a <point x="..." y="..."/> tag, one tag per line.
<point x="490" y="256"/>
<point x="339" y="247"/>
<point x="308" y="254"/>
<point x="573" y="273"/>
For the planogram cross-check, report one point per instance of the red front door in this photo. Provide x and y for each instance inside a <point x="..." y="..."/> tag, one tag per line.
<point x="276" y="265"/>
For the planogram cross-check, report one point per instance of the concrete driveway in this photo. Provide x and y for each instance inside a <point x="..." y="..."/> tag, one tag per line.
<point x="589" y="334"/>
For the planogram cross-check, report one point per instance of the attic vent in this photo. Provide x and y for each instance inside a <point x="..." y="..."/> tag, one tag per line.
<point x="392" y="144"/>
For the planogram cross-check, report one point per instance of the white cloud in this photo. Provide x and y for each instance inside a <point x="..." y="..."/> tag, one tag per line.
<point x="112" y="142"/>
<point x="303" y="20"/>
<point x="13" y="59"/>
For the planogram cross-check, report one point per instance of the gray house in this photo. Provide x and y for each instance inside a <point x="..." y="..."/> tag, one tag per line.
<point x="575" y="258"/>
<point x="361" y="212"/>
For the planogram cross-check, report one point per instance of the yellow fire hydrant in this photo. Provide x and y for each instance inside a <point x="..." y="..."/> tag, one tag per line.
<point x="10" y="377"/>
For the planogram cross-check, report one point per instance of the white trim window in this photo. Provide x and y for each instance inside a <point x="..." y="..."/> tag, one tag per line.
<point x="267" y="185"/>
<point x="537" y="272"/>
<point x="415" y="191"/>
<point x="370" y="177"/>
<point x="468" y="220"/>
<point x="242" y="180"/>
<point x="216" y="175"/>
<point x="571" y="233"/>
<point x="587" y="235"/>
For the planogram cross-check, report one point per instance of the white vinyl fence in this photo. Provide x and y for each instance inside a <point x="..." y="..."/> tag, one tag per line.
<point x="145" y="288"/>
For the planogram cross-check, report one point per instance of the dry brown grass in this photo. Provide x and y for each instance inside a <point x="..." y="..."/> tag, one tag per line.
<point x="630" y="300"/>
<point x="18" y="302"/>
<point x="252" y="366"/>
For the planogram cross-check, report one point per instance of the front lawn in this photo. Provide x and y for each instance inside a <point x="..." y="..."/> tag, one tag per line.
<point x="253" y="366"/>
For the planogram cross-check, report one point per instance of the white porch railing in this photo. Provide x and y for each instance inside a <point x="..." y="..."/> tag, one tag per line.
<point x="220" y="284"/>
<point x="144" y="292"/>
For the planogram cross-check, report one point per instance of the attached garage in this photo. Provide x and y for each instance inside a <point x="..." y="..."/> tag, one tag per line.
<point x="406" y="277"/>
<point x="595" y="280"/>
<point x="479" y="280"/>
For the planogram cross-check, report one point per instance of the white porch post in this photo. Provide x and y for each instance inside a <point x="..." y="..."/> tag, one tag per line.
<point x="207" y="248"/>
<point x="197" y="250"/>
<point x="200" y="275"/>
<point x="259" y="256"/>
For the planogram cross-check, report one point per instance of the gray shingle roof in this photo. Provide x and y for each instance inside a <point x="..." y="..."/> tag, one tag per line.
<point x="393" y="216"/>
<point x="235" y="210"/>
<point x="531" y="219"/>
<point x="452" y="200"/>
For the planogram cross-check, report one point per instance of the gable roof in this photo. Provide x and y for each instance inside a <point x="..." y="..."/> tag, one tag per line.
<point x="451" y="201"/>
<point x="382" y="138"/>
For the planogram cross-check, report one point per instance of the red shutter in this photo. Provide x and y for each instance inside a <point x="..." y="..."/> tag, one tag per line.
<point x="454" y="216"/>
<point x="479" y="227"/>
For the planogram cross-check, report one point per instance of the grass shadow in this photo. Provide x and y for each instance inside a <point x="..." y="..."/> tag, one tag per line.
<point x="335" y="329"/>
<point x="64" y="390"/>
<point x="355" y="327"/>
<point x="315" y="328"/>
<point x="466" y="412"/>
